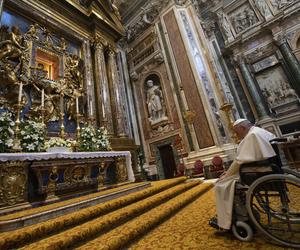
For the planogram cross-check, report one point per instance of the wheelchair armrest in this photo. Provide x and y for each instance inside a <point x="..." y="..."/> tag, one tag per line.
<point x="281" y="139"/>
<point x="255" y="164"/>
<point x="249" y="172"/>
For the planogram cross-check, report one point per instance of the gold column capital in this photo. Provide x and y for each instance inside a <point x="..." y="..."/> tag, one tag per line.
<point x="99" y="42"/>
<point x="111" y="50"/>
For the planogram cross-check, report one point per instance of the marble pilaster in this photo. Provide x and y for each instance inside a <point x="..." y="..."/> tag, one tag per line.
<point x="89" y="81"/>
<point x="290" y="60"/>
<point x="124" y="77"/>
<point x="101" y="87"/>
<point x="116" y="96"/>
<point x="257" y="98"/>
<point x="1" y="8"/>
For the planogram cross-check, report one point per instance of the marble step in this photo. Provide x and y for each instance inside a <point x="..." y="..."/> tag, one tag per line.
<point x="27" y="220"/>
<point x="121" y="236"/>
<point x="26" y="235"/>
<point x="69" y="238"/>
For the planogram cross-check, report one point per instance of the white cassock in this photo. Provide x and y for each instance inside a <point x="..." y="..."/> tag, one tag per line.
<point x="254" y="147"/>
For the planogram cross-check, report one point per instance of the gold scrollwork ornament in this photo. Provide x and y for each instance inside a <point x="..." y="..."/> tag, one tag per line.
<point x="53" y="178"/>
<point x="121" y="170"/>
<point x="13" y="179"/>
<point x="101" y="175"/>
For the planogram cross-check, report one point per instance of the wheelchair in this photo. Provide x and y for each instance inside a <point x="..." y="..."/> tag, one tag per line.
<point x="267" y="199"/>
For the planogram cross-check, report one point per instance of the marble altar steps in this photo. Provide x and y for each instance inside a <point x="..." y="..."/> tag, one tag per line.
<point x="39" y="214"/>
<point x="122" y="236"/>
<point x="141" y="216"/>
<point x="136" y="213"/>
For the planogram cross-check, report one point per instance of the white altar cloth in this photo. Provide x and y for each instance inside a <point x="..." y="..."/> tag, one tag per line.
<point x="69" y="155"/>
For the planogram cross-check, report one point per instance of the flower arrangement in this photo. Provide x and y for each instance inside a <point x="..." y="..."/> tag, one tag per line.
<point x="59" y="142"/>
<point x="92" y="139"/>
<point x="6" y="131"/>
<point x="32" y="136"/>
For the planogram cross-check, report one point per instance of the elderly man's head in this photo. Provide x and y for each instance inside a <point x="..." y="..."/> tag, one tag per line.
<point x="241" y="127"/>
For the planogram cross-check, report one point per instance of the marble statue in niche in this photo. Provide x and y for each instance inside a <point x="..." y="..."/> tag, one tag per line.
<point x="155" y="103"/>
<point x="263" y="8"/>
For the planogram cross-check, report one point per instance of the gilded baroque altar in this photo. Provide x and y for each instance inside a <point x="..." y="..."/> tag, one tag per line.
<point x="62" y="74"/>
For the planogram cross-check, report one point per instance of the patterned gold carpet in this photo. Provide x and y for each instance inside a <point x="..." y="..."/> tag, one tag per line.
<point x="55" y="205"/>
<point x="189" y="229"/>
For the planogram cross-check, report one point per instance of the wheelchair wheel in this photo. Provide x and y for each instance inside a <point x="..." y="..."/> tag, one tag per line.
<point x="276" y="198"/>
<point x="242" y="231"/>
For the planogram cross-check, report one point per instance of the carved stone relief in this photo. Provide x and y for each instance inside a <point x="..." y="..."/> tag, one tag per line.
<point x="161" y="130"/>
<point x="209" y="28"/>
<point x="261" y="52"/>
<point x="265" y="63"/>
<point x="148" y="15"/>
<point x="278" y="4"/>
<point x="263" y="8"/>
<point x="243" y="18"/>
<point x="275" y="88"/>
<point x="224" y="25"/>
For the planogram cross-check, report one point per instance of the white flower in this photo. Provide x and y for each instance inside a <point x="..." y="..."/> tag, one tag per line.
<point x="30" y="147"/>
<point x="9" y="143"/>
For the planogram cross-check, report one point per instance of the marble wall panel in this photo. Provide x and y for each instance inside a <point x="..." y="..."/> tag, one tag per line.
<point x="194" y="101"/>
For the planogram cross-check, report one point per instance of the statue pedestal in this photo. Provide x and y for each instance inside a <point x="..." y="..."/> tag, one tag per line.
<point x="158" y="121"/>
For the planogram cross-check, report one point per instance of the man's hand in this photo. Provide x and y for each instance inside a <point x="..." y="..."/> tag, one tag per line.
<point x="222" y="176"/>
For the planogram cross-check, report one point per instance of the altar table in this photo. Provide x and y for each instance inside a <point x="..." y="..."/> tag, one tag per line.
<point x="26" y="177"/>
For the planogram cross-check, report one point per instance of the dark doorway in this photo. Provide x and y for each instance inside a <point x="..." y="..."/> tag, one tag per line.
<point x="168" y="161"/>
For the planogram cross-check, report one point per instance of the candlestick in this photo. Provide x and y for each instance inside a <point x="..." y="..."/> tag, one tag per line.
<point x="43" y="98"/>
<point x="20" y="92"/>
<point x="77" y="105"/>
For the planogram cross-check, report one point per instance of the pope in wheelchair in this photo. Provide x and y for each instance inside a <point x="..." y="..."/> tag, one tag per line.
<point x="255" y="192"/>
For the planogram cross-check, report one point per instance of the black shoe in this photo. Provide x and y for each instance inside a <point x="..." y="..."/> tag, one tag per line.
<point x="213" y="222"/>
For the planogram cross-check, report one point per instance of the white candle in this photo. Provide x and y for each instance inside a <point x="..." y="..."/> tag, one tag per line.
<point x="103" y="111"/>
<point x="77" y="105"/>
<point x="43" y="98"/>
<point x="20" y="92"/>
<point x="91" y="107"/>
